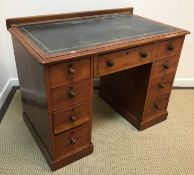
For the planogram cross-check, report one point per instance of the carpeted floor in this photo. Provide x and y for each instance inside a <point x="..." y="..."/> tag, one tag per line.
<point x="165" y="149"/>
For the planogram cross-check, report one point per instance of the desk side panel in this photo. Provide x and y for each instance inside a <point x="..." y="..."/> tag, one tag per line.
<point x="33" y="92"/>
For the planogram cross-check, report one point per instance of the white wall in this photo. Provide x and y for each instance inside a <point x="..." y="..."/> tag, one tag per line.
<point x="4" y="72"/>
<point x="178" y="13"/>
<point x="3" y="67"/>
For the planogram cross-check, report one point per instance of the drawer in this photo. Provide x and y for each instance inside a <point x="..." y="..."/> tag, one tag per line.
<point x="169" y="48"/>
<point x="69" y="71"/>
<point x="116" y="61"/>
<point x="71" y="117"/>
<point x="69" y="141"/>
<point x="164" y="66"/>
<point x="156" y="104"/>
<point x="69" y="95"/>
<point x="161" y="85"/>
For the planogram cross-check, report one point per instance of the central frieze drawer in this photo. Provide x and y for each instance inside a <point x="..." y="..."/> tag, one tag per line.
<point x="69" y="95"/>
<point x="120" y="60"/>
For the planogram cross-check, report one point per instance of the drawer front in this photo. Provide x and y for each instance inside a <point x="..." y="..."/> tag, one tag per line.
<point x="69" y="71"/>
<point x="169" y="48"/>
<point x="72" y="140"/>
<point x="164" y="66"/>
<point x="69" y="95"/>
<point x="156" y="105"/>
<point x="160" y="85"/>
<point x="113" y="62"/>
<point x="71" y="117"/>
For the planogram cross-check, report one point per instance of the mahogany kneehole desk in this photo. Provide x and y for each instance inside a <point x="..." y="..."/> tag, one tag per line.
<point x="57" y="58"/>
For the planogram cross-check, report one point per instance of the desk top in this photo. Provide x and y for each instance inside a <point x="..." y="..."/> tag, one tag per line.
<point x="83" y="33"/>
<point x="60" y="37"/>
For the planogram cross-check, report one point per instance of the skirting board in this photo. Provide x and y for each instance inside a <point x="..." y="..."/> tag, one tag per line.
<point x="184" y="82"/>
<point x="179" y="82"/>
<point x="6" y="90"/>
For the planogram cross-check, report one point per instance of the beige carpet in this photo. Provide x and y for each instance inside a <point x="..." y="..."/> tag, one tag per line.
<point x="165" y="149"/>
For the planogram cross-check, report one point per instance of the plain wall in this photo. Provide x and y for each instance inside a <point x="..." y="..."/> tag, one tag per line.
<point x="4" y="72"/>
<point x="178" y="13"/>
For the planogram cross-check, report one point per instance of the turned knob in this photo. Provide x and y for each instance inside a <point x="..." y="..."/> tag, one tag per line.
<point x="73" y="141"/>
<point x="72" y="93"/>
<point x="71" y="71"/>
<point x="143" y="54"/>
<point x="110" y="63"/>
<point x="73" y="118"/>
<point x="170" y="47"/>
<point x="162" y="85"/>
<point x="166" y="66"/>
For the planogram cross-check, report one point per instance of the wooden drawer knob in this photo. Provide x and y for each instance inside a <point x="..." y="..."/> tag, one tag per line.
<point x="162" y="85"/>
<point x="166" y="66"/>
<point x="110" y="63"/>
<point x="73" y="141"/>
<point x="73" y="118"/>
<point x="143" y="54"/>
<point x="170" y="47"/>
<point x="72" y="93"/>
<point x="71" y="71"/>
